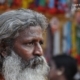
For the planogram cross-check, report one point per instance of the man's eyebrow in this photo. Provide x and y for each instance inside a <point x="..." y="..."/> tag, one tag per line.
<point x="37" y="40"/>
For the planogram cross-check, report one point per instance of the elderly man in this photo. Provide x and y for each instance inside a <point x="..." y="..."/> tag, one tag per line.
<point x="21" y="54"/>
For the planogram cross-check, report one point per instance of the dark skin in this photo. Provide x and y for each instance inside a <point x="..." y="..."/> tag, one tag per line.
<point x="28" y="44"/>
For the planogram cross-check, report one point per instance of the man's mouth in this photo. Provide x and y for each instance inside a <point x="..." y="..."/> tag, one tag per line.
<point x="32" y="63"/>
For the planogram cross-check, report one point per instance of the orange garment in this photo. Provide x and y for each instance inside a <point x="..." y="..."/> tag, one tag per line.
<point x="1" y="77"/>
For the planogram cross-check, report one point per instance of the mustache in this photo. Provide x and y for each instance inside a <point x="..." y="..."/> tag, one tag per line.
<point x="32" y="63"/>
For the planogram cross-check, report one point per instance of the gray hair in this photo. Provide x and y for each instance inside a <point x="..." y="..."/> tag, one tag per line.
<point x="13" y="21"/>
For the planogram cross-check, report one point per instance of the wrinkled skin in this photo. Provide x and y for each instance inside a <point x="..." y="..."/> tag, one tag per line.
<point x="28" y="43"/>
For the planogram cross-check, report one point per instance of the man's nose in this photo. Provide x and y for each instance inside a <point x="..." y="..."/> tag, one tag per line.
<point x="38" y="51"/>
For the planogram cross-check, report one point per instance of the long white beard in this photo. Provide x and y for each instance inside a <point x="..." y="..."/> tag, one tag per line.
<point x="12" y="69"/>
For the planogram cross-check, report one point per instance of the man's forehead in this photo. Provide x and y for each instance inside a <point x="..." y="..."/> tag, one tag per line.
<point x="31" y="31"/>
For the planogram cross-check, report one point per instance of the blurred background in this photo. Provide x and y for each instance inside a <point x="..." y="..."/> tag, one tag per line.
<point x="63" y="34"/>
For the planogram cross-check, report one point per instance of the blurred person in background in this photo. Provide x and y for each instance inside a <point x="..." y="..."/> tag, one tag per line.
<point x="53" y="38"/>
<point x="63" y="67"/>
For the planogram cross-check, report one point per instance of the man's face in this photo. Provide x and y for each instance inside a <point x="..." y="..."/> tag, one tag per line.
<point x="28" y="44"/>
<point x="26" y="61"/>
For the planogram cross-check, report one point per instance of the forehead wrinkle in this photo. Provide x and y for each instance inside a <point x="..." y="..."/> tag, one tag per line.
<point x="32" y="37"/>
<point x="31" y="32"/>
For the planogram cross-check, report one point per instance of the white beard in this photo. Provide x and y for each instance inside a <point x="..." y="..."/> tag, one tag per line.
<point x="12" y="69"/>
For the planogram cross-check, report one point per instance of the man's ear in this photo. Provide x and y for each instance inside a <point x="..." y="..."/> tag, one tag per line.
<point x="60" y="71"/>
<point x="3" y="49"/>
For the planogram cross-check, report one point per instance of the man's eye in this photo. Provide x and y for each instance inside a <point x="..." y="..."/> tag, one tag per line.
<point x="29" y="44"/>
<point x="41" y="42"/>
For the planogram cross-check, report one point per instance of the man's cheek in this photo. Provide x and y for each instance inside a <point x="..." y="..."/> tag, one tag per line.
<point x="26" y="52"/>
<point x="28" y="49"/>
